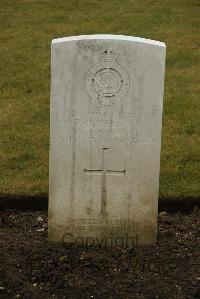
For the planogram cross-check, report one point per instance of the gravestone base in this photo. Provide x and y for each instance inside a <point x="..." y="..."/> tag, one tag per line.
<point x="105" y="235"/>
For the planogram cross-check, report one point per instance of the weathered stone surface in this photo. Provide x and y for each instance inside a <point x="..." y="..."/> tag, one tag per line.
<point x="106" y="119"/>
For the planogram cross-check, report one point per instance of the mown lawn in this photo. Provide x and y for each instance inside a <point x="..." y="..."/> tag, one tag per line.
<point x="27" y="28"/>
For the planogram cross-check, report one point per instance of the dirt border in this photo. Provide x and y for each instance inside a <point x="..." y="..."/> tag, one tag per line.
<point x="32" y="267"/>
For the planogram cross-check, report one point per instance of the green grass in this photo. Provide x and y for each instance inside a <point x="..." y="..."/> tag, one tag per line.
<point x="27" y="28"/>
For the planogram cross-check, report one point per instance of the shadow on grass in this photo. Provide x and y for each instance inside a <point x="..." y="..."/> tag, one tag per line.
<point x="40" y="202"/>
<point x="24" y="202"/>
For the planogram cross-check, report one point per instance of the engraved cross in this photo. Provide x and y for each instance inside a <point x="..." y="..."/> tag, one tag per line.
<point x="104" y="172"/>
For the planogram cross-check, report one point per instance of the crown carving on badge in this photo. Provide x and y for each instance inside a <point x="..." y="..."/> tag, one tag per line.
<point x="107" y="56"/>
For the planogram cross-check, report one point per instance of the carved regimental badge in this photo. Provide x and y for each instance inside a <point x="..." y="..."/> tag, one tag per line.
<point x="107" y="80"/>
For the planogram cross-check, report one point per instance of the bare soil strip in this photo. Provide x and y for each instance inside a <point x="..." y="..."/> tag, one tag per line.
<point x="33" y="268"/>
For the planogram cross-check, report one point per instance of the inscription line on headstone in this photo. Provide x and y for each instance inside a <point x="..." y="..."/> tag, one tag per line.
<point x="104" y="172"/>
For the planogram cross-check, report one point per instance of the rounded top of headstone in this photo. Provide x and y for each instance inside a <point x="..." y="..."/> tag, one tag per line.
<point x="108" y="37"/>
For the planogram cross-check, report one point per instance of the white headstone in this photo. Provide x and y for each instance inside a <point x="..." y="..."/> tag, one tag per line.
<point x="106" y="120"/>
